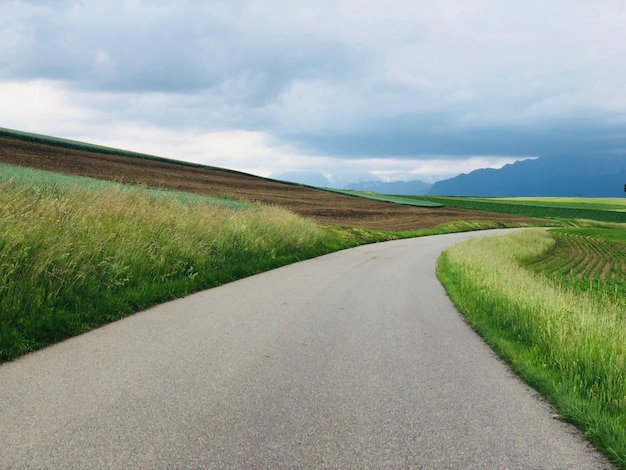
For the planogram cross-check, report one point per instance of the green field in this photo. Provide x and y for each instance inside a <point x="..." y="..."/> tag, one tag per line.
<point x="565" y="209"/>
<point x="591" y="260"/>
<point x="601" y="204"/>
<point x="553" y="304"/>
<point x="612" y="210"/>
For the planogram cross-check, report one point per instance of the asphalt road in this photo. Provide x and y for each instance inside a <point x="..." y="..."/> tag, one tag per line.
<point x="352" y="360"/>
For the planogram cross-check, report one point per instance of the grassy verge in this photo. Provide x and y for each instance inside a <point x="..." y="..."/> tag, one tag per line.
<point x="569" y="343"/>
<point x="76" y="253"/>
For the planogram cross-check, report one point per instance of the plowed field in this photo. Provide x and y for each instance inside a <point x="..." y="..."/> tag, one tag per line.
<point x="324" y="207"/>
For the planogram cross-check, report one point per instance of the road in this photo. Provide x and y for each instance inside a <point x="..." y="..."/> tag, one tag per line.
<point x="352" y="360"/>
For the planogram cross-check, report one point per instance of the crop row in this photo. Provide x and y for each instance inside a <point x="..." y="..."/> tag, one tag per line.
<point x="583" y="256"/>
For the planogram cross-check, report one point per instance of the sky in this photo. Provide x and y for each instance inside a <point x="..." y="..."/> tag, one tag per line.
<point x="354" y="89"/>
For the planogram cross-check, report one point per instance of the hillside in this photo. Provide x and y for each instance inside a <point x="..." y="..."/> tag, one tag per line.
<point x="324" y="207"/>
<point x="573" y="176"/>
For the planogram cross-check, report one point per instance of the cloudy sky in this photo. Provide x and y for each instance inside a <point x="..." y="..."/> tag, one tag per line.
<point x="403" y="89"/>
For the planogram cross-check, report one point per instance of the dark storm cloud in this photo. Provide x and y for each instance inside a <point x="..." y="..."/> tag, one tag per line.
<point x="409" y="136"/>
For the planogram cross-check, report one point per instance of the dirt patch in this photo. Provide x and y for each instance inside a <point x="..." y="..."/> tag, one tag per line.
<point x="324" y="207"/>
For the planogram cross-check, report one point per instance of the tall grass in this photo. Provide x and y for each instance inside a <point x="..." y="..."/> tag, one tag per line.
<point x="567" y="343"/>
<point x="76" y="253"/>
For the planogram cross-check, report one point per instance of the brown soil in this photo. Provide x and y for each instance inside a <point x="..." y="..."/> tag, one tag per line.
<point x="322" y="206"/>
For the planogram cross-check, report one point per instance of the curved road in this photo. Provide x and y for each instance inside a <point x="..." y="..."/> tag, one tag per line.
<point x="352" y="360"/>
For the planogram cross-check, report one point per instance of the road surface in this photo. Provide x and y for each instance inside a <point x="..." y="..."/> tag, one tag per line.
<point x="352" y="360"/>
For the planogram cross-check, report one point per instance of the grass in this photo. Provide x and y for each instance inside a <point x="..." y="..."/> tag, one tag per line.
<point x="570" y="209"/>
<point x="566" y="339"/>
<point x="76" y="253"/>
<point x="601" y="204"/>
<point x="591" y="260"/>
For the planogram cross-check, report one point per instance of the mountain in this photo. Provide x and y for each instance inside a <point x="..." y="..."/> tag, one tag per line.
<point x="415" y="187"/>
<point x="572" y="176"/>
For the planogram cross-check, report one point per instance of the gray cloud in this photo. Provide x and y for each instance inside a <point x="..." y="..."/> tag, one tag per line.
<point x="183" y="47"/>
<point x="341" y="78"/>
<point x="407" y="136"/>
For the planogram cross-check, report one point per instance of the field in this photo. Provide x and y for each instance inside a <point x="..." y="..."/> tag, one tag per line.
<point x="601" y="204"/>
<point x="553" y="304"/>
<point x="571" y="209"/>
<point x="586" y="259"/>
<point x="324" y="207"/>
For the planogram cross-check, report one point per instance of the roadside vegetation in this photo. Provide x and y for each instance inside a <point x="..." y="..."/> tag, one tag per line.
<point x="553" y="305"/>
<point x="76" y="253"/>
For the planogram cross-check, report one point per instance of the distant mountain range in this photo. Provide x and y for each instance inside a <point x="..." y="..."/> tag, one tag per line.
<point x="545" y="176"/>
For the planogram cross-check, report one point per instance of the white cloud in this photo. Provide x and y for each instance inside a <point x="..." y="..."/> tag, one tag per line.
<point x="39" y="106"/>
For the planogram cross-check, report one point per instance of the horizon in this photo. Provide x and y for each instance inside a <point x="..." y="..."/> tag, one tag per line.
<point x="401" y="91"/>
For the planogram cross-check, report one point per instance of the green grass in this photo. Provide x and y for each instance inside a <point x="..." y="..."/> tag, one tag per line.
<point x="566" y="339"/>
<point x="591" y="260"/>
<point x="601" y="204"/>
<point x="573" y="210"/>
<point x="76" y="253"/>
<point x="568" y="209"/>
